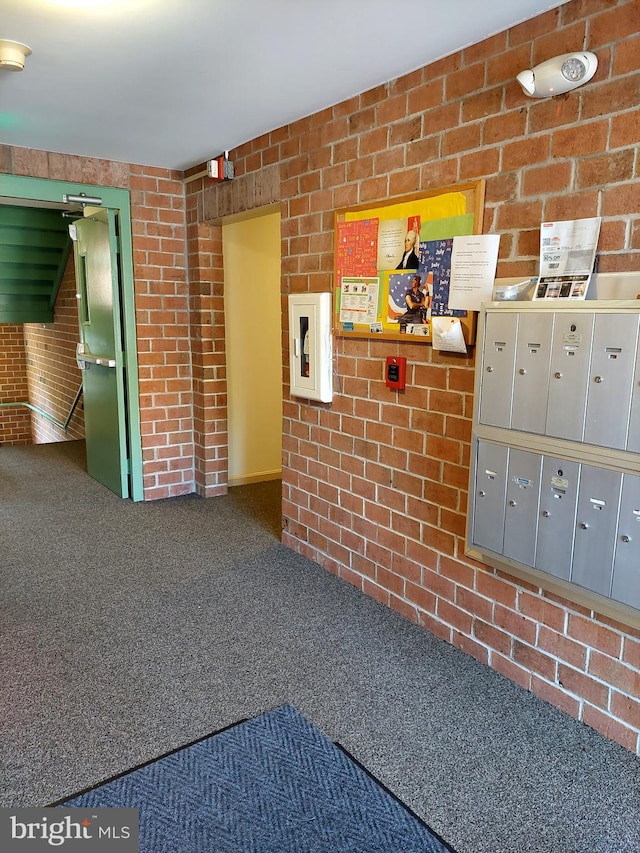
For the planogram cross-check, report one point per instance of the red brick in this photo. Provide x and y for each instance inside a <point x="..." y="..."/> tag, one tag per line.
<point x="582" y="685"/>
<point x="615" y="673"/>
<point x="562" y="647"/>
<point x="626" y="709"/>
<point x="470" y="647"/>
<point x="435" y="626"/>
<point x="592" y="634"/>
<point x="514" y="623"/>
<point x="496" y="589"/>
<point x="555" y="696"/>
<point x="631" y="653"/>
<point x="610" y="728"/>
<point x="511" y="670"/>
<point x="542" y="611"/>
<point x="425" y="599"/>
<point x="534" y="660"/>
<point x="492" y="637"/>
<point x="454" y="616"/>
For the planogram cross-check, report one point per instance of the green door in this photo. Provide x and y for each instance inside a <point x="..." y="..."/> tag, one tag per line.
<point x="100" y="349"/>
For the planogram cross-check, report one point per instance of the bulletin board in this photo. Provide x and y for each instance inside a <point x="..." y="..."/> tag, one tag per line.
<point x="381" y="251"/>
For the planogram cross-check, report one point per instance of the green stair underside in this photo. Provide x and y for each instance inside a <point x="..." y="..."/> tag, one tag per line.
<point x="34" y="249"/>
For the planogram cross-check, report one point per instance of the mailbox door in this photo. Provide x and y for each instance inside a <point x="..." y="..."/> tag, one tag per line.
<point x="596" y="523"/>
<point x="496" y="387"/>
<point x="570" y="357"/>
<point x="633" y="438"/>
<point x="626" y="565"/>
<point x="613" y="357"/>
<point x="491" y="479"/>
<point x="557" y="516"/>
<point x="531" y="377"/>
<point x="521" y="511"/>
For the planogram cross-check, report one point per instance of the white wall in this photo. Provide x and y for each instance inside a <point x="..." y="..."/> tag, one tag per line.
<point x="251" y="251"/>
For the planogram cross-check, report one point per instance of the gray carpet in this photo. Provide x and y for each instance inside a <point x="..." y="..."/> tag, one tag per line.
<point x="127" y="630"/>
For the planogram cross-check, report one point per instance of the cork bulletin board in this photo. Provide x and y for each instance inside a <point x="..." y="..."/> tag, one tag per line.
<point x="393" y="263"/>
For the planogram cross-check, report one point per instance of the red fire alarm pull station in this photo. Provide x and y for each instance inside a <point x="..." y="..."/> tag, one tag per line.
<point x="396" y="372"/>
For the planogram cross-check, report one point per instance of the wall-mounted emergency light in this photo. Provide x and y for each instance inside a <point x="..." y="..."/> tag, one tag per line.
<point x="558" y="75"/>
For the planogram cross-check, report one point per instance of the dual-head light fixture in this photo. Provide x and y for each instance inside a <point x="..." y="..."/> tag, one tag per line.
<point x="558" y="75"/>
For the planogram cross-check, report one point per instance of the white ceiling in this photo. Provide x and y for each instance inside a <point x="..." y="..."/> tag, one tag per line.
<point x="172" y="83"/>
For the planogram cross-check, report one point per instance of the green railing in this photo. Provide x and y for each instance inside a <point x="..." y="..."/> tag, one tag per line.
<point x="60" y="424"/>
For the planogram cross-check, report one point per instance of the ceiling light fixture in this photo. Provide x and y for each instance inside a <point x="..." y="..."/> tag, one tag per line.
<point x="13" y="55"/>
<point x="558" y="75"/>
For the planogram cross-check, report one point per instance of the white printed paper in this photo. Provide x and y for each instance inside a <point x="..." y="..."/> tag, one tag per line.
<point x="567" y="257"/>
<point x="447" y="334"/>
<point x="473" y="270"/>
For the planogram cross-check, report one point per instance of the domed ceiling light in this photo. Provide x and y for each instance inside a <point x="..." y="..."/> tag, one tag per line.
<point x="13" y="55"/>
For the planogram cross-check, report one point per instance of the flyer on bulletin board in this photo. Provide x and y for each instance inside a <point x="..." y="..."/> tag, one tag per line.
<point x="359" y="299"/>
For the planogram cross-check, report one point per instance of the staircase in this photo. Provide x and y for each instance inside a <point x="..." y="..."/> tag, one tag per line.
<point x="34" y="249"/>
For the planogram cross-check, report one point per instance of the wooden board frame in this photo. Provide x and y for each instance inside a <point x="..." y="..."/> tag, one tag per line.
<point x="473" y="192"/>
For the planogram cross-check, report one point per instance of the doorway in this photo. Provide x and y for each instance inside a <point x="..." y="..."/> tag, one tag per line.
<point x="47" y="193"/>
<point x="253" y="310"/>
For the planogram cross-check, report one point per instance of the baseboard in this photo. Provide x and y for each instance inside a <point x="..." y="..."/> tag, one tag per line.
<point x="260" y="477"/>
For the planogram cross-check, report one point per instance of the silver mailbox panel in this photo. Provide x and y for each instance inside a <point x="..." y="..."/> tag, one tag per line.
<point x="531" y="377"/>
<point x="633" y="438"/>
<point x="613" y="356"/>
<point x="491" y="479"/>
<point x="521" y="512"/>
<point x="557" y="516"/>
<point x="596" y="522"/>
<point x="626" y="565"/>
<point x="570" y="357"/>
<point x="496" y="386"/>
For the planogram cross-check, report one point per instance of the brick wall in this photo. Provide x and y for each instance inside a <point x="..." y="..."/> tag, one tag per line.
<point x="52" y="372"/>
<point x="162" y="305"/>
<point x="15" y="423"/>
<point x="163" y="331"/>
<point x="375" y="484"/>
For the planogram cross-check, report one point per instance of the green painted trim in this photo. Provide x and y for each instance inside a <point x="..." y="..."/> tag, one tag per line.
<point x="119" y="354"/>
<point x="41" y="189"/>
<point x="125" y="251"/>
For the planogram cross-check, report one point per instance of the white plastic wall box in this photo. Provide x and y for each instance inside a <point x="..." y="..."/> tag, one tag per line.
<point x="555" y="464"/>
<point x="310" y="346"/>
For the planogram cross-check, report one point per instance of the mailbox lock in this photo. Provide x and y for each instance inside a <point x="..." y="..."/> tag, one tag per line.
<point x="481" y="493"/>
<point x="546" y="513"/>
<point x="512" y="503"/>
<point x="489" y="369"/>
<point x="522" y="371"/>
<point x="557" y="375"/>
<point x="598" y="379"/>
<point x="626" y="538"/>
<point x="583" y="525"/>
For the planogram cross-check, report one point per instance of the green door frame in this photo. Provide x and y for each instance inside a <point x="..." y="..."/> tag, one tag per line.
<point x="42" y="189"/>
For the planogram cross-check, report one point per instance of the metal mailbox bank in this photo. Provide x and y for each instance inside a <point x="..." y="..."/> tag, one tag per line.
<point x="555" y="470"/>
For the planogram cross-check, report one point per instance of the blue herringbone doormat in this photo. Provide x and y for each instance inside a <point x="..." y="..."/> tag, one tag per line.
<point x="274" y="784"/>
